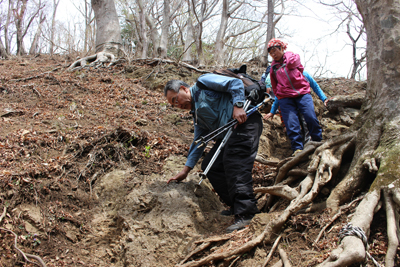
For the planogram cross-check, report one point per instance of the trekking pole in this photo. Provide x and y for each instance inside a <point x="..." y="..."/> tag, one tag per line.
<point x="215" y="133"/>
<point x="203" y="175"/>
<point x="220" y="130"/>
<point x="207" y="138"/>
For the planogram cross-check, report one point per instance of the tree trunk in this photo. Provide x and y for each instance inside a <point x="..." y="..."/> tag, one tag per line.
<point x="53" y="26"/>
<point x="376" y="139"/>
<point x="88" y="27"/>
<point x="3" y="52"/>
<point x="187" y="56"/>
<point x="199" y="30"/>
<point x="19" y="14"/>
<point x="108" y="37"/>
<point x="162" y="47"/>
<point x="138" y="23"/>
<point x="35" y="43"/>
<point x="142" y="45"/>
<point x="143" y="34"/>
<point x="270" y="32"/>
<point x="272" y="21"/>
<point x="377" y="149"/>
<point x="7" y="25"/>
<point x="271" y="24"/>
<point x="153" y="29"/>
<point x="219" y="42"/>
<point x="205" y="13"/>
<point x="356" y="62"/>
<point x="108" y="33"/>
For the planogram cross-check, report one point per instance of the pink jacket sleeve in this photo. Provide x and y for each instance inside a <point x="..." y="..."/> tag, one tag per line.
<point x="292" y="61"/>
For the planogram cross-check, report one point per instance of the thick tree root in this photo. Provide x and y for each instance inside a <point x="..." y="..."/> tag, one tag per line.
<point x="284" y="257"/>
<point x="337" y="215"/>
<point x="382" y="146"/>
<point x="354" y="101"/>
<point x="310" y="147"/>
<point x="95" y="61"/>
<point x="392" y="218"/>
<point x="284" y="191"/>
<point x="354" y="249"/>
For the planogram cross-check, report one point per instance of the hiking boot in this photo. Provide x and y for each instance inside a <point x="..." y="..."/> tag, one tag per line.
<point x="240" y="223"/>
<point x="296" y="152"/>
<point x="227" y="212"/>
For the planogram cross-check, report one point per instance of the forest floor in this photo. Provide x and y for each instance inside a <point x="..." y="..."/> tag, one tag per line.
<point x="85" y="156"/>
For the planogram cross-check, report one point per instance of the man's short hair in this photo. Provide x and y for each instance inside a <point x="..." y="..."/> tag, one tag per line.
<point x="174" y="85"/>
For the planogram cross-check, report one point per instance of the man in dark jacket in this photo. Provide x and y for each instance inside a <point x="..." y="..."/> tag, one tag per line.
<point x="218" y="100"/>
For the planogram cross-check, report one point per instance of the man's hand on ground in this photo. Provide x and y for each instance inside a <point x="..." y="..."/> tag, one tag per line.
<point x="181" y="175"/>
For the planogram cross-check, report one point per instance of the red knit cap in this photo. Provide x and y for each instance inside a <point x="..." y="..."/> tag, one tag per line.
<point x="276" y="42"/>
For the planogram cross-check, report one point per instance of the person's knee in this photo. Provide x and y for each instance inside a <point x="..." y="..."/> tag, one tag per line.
<point x="244" y="188"/>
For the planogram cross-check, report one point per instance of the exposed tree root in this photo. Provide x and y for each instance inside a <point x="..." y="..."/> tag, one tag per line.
<point x="392" y="216"/>
<point x="276" y="243"/>
<point x="285" y="165"/>
<point x="278" y="264"/>
<point x="383" y="146"/>
<point x="163" y="60"/>
<point x="284" y="257"/>
<point x="352" y="249"/>
<point x="308" y="190"/>
<point x="96" y="60"/>
<point x="298" y="172"/>
<point x="266" y="162"/>
<point x="195" y="251"/>
<point x="325" y="162"/>
<point x="284" y="191"/>
<point x="354" y="101"/>
<point x="26" y="256"/>
<point x="308" y="149"/>
<point x="337" y="215"/>
<point x="3" y="214"/>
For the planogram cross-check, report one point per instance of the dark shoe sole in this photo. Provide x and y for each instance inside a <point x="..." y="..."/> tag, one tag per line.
<point x="238" y="225"/>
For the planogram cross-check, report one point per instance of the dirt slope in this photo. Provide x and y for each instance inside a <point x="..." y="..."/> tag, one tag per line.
<point x="85" y="157"/>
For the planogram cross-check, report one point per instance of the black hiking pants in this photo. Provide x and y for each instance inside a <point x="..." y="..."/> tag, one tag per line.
<point x="230" y="174"/>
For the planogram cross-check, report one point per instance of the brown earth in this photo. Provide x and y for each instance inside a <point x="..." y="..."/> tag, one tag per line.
<point x="85" y="157"/>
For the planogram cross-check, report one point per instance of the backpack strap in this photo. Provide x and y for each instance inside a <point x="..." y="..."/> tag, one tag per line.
<point x="226" y="72"/>
<point x="275" y="69"/>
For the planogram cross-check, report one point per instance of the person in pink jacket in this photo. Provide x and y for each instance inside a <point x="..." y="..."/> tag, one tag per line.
<point x="293" y="92"/>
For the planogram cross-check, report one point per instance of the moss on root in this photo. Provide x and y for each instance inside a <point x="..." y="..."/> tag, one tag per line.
<point x="389" y="154"/>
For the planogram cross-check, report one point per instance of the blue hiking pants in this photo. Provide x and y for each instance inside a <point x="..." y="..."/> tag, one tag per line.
<point x="289" y="110"/>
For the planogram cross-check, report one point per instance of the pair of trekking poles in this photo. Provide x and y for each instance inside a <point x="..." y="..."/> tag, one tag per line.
<point x="229" y="129"/>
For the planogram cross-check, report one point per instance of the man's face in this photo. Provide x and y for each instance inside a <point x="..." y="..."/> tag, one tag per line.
<point x="276" y="53"/>
<point x="182" y="99"/>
